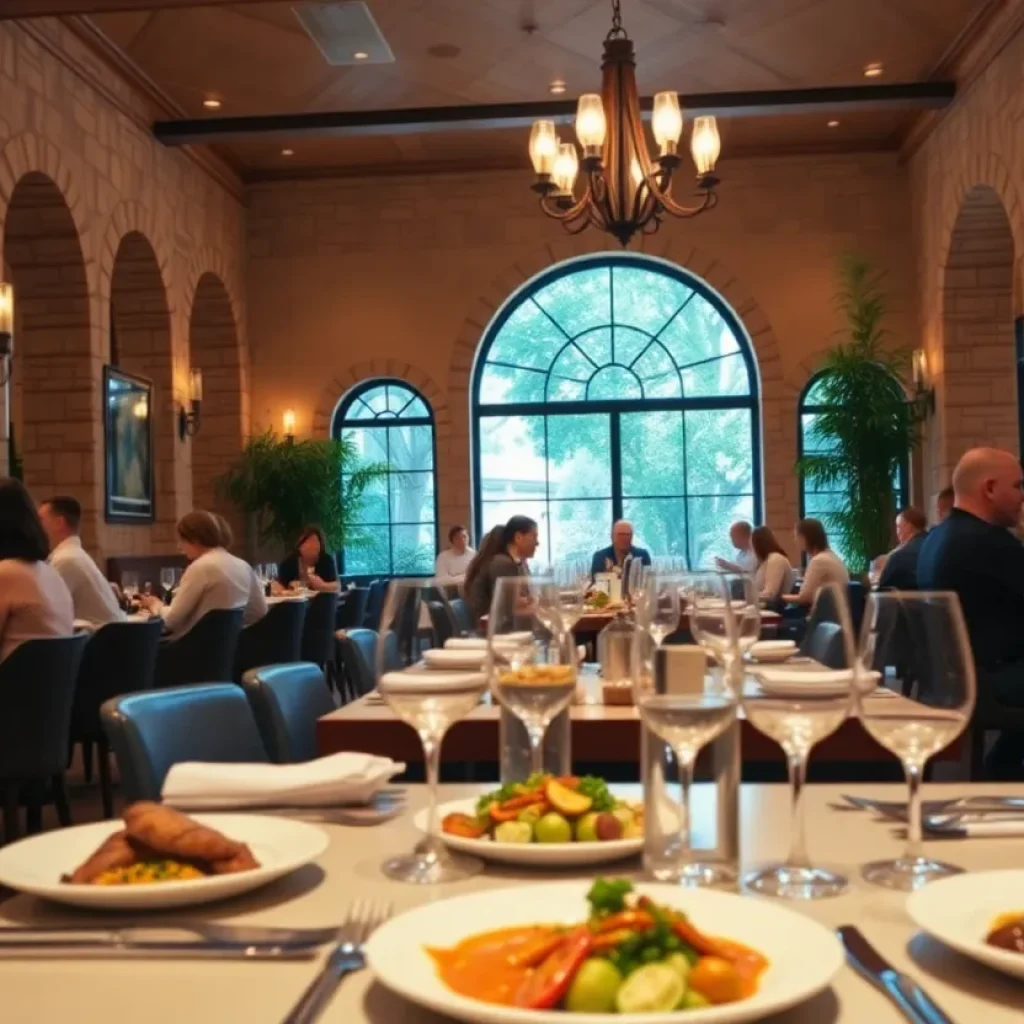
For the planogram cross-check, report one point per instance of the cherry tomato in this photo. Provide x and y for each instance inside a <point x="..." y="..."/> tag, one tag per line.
<point x="716" y="979"/>
<point x="544" y="987"/>
<point x="464" y="825"/>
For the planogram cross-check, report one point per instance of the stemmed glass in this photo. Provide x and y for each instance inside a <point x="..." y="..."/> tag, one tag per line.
<point x="130" y="585"/>
<point x="797" y="715"/>
<point x="531" y="656"/>
<point x="917" y="643"/>
<point x="656" y="604"/>
<point x="687" y="721"/>
<point x="571" y="589"/>
<point x="430" y="702"/>
<point x="167" y="581"/>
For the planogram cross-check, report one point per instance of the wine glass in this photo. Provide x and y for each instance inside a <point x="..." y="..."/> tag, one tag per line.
<point x="571" y="591"/>
<point x="167" y="581"/>
<point x="797" y="715"/>
<point x="430" y="702"/>
<point x="745" y="603"/>
<point x="531" y="657"/>
<point x="686" y="721"/>
<point x="656" y="604"/>
<point x="130" y="585"/>
<point x="917" y="643"/>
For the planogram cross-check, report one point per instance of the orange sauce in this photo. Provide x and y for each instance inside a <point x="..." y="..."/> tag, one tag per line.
<point x="749" y="963"/>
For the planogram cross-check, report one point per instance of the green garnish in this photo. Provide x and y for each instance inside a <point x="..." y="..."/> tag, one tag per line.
<point x="597" y="789"/>
<point x="608" y="895"/>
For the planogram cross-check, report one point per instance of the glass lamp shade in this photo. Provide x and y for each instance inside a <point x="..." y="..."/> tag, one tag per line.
<point x="566" y="167"/>
<point x="667" y="121"/>
<point x="543" y="146"/>
<point x="289" y="421"/>
<point x="195" y="385"/>
<point x="705" y="144"/>
<point x="6" y="308"/>
<point x="590" y="122"/>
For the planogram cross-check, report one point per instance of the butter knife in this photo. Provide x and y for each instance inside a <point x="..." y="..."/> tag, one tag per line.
<point x="916" y="1004"/>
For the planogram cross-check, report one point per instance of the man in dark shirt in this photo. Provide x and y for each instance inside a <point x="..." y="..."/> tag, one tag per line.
<point x="900" y="572"/>
<point x="619" y="551"/>
<point x="973" y="553"/>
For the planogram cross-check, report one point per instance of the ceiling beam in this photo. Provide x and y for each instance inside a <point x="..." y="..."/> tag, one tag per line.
<point x="481" y="117"/>
<point x="65" y="8"/>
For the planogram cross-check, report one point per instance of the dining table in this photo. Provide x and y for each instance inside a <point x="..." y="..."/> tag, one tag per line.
<point x="318" y="895"/>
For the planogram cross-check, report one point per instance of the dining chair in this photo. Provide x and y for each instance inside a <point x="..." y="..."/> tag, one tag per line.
<point x="463" y="616"/>
<point x="286" y="701"/>
<point x="276" y="639"/>
<point x="357" y="656"/>
<point x="352" y="610"/>
<point x="823" y="610"/>
<point x="118" y="658"/>
<point x="205" y="654"/>
<point x="825" y="645"/>
<point x="318" y="634"/>
<point x="441" y="622"/>
<point x="375" y="604"/>
<point x="37" y="689"/>
<point x="150" y="732"/>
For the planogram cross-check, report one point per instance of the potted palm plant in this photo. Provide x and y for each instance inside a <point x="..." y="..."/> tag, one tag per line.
<point x="281" y="485"/>
<point x="866" y="427"/>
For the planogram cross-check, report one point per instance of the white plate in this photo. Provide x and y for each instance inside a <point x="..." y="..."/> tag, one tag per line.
<point x="770" y="651"/>
<point x="804" y="956"/>
<point x="34" y="865"/>
<point x="552" y="855"/>
<point x="959" y="911"/>
<point x="466" y="643"/>
<point x="794" y="682"/>
<point x="412" y="680"/>
<point x="438" y="658"/>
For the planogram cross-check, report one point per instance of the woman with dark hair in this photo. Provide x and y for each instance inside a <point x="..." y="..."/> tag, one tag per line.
<point x="310" y="565"/>
<point x="503" y="553"/>
<point x="214" y="580"/>
<point x="34" y="600"/>
<point x="823" y="567"/>
<point x="774" y="574"/>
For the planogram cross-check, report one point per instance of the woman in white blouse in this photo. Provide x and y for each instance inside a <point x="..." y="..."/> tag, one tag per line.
<point x="215" y="579"/>
<point x="823" y="567"/>
<point x="774" y="574"/>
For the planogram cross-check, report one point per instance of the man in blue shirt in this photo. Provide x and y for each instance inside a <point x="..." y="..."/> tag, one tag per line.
<point x="974" y="554"/>
<point x="900" y="572"/>
<point x="614" y="557"/>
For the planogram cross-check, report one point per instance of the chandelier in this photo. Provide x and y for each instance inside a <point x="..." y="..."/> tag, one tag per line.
<point x="625" y="190"/>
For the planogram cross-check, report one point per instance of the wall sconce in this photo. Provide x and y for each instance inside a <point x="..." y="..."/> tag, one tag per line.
<point x="6" y="331"/>
<point x="924" y="393"/>
<point x="289" y="425"/>
<point x="188" y="419"/>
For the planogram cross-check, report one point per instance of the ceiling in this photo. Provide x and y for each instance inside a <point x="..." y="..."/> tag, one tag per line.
<point x="257" y="59"/>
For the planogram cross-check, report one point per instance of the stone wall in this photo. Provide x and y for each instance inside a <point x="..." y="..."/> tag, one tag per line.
<point x="95" y="216"/>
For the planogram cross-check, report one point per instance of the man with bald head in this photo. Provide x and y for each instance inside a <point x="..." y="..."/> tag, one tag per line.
<point x="620" y="551"/>
<point x="973" y="553"/>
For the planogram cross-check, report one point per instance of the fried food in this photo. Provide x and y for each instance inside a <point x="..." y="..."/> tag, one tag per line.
<point x="175" y="834"/>
<point x="116" y="852"/>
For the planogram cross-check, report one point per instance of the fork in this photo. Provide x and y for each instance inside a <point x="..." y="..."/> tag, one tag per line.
<point x="364" y="918"/>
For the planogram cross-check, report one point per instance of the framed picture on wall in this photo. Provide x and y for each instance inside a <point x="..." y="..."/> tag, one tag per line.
<point x="128" y="447"/>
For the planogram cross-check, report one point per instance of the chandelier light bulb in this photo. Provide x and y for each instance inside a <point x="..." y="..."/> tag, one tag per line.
<point x="590" y="123"/>
<point x="566" y="168"/>
<point x="705" y="145"/>
<point x="667" y="121"/>
<point x="543" y="146"/>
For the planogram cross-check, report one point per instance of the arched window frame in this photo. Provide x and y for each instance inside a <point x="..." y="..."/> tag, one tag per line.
<point x="382" y="419"/>
<point x="699" y="288"/>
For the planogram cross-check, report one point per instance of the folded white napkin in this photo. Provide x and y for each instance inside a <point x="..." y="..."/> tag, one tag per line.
<point x="974" y="827"/>
<point x="346" y="778"/>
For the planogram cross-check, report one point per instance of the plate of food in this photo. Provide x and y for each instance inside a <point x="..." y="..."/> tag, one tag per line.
<point x="545" y="821"/>
<point x="158" y="857"/>
<point x="601" y="602"/>
<point x="604" y="952"/>
<point x="976" y="914"/>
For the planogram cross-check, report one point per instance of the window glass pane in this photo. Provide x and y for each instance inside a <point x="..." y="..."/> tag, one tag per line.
<point x="415" y="410"/>
<point x="578" y="301"/>
<point x="412" y="497"/>
<point x="597" y="344"/>
<point x="615" y="383"/>
<point x="815" y="393"/>
<point x="628" y="344"/>
<point x="371" y="443"/>
<point x="658" y="524"/>
<point x="645" y="298"/>
<point x="527" y="338"/>
<point x="562" y="390"/>
<point x="709" y="520"/>
<point x="579" y="528"/>
<point x="496" y="513"/>
<point x="726" y="376"/>
<point x="652" y="453"/>
<point x="411" y="448"/>
<point x="376" y="398"/>
<point x="368" y="555"/>
<point x="655" y="367"/>
<point x="699" y="332"/>
<point x="573" y="364"/>
<point x="512" y="466"/>
<point x="412" y="550"/>
<point x="579" y="456"/>
<point x="719" y="458"/>
<point x="373" y="506"/>
<point x="358" y="410"/>
<point x="501" y="385"/>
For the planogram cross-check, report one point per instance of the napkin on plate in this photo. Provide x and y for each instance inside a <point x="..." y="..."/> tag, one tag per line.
<point x="346" y="778"/>
<point x="974" y="826"/>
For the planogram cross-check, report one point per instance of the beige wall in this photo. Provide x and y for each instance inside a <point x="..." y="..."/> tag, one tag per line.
<point x="350" y="278"/>
<point x="79" y="171"/>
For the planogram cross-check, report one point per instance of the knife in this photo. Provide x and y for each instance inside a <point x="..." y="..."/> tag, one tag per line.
<point x="916" y="1004"/>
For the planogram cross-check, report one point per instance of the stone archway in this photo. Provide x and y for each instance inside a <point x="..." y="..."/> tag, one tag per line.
<point x="977" y="381"/>
<point x="56" y="410"/>
<point x="215" y="350"/>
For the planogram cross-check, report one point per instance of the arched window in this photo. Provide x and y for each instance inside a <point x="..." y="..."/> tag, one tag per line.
<point x="818" y="502"/>
<point x="617" y="387"/>
<point x="391" y="423"/>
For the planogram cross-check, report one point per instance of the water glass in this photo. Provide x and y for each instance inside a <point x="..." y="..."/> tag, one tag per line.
<point x="130" y="584"/>
<point x="916" y="644"/>
<point x="656" y="604"/>
<point x="430" y="702"/>
<point x="531" y="656"/>
<point x="798" y="715"/>
<point x="570" y="585"/>
<point x="167" y="580"/>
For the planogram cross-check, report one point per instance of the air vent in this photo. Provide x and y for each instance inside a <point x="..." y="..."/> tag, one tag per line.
<point x="345" y="33"/>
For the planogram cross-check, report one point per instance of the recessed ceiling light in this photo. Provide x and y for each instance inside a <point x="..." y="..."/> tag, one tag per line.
<point x="211" y="103"/>
<point x="873" y="70"/>
<point x="833" y="124"/>
<point x="360" y="55"/>
<point x="557" y="87"/>
<point x="287" y="152"/>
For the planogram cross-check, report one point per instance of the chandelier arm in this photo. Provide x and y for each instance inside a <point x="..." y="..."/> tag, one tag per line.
<point x="667" y="203"/>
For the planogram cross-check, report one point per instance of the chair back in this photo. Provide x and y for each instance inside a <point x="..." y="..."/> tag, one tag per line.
<point x="276" y="639"/>
<point x="356" y="656"/>
<point x="150" y="732"/>
<point x="318" y="632"/>
<point x="463" y="616"/>
<point x="37" y="689"/>
<point x="286" y="701"/>
<point x="375" y="604"/>
<point x="119" y="657"/>
<point x="823" y="610"/>
<point x="205" y="654"/>
<point x="825" y="645"/>
<point x="856" y="596"/>
<point x="352" y="610"/>
<point x="441" y="622"/>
